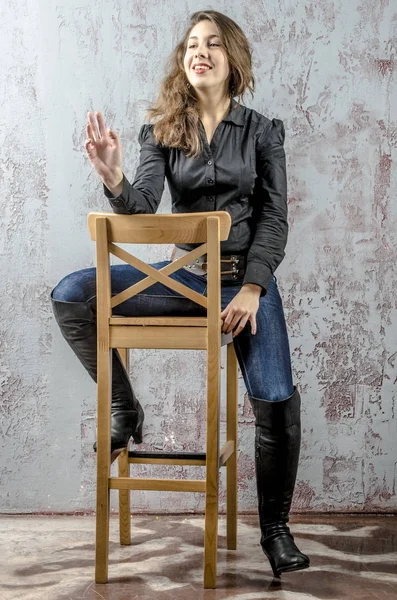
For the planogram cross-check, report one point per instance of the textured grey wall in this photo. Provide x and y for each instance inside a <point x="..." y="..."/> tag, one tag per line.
<point x="328" y="70"/>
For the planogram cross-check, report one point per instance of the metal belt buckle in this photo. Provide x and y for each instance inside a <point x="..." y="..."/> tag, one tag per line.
<point x="198" y="266"/>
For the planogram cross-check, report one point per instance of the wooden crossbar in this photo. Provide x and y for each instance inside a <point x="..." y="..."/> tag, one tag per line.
<point x="157" y="276"/>
<point x="160" y="485"/>
<point x="186" y="462"/>
<point x="182" y="338"/>
<point x="160" y="321"/>
<point x="226" y="452"/>
<point x="188" y="228"/>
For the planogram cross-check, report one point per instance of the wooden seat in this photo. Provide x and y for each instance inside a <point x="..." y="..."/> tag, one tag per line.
<point x="203" y="333"/>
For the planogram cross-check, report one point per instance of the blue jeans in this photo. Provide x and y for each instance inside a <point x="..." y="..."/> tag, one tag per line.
<point x="264" y="358"/>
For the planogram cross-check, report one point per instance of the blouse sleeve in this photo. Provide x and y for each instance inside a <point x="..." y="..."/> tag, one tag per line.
<point x="144" y="194"/>
<point x="270" y="207"/>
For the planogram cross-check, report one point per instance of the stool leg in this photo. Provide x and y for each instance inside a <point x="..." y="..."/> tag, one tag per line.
<point x="231" y="434"/>
<point x="103" y="465"/>
<point x="212" y="470"/>
<point x="124" y="501"/>
<point x="124" y="471"/>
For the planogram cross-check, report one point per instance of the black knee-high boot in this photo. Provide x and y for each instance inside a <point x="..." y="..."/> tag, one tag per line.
<point x="277" y="447"/>
<point x="77" y="322"/>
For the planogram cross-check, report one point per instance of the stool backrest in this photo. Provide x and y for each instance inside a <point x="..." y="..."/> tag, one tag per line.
<point x="207" y="229"/>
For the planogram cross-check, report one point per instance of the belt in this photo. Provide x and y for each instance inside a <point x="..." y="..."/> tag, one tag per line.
<point x="232" y="265"/>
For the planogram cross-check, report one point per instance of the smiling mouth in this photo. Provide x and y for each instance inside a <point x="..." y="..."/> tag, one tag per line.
<point x="201" y="69"/>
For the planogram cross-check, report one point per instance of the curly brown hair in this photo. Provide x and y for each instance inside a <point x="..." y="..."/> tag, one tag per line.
<point x="175" y="113"/>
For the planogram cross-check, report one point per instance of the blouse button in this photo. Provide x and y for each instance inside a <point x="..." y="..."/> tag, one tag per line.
<point x="209" y="162"/>
<point x="210" y="181"/>
<point x="210" y="198"/>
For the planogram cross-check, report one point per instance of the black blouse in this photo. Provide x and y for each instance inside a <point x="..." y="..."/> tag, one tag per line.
<point x="242" y="171"/>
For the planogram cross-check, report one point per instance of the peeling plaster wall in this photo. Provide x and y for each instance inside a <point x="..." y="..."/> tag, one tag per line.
<point x="328" y="70"/>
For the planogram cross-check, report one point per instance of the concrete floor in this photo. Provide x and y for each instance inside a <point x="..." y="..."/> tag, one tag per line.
<point x="52" y="558"/>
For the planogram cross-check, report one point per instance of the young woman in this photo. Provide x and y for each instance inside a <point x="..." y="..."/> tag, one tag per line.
<point x="216" y="155"/>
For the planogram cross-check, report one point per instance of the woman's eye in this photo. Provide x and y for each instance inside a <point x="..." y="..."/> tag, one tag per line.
<point x="211" y="44"/>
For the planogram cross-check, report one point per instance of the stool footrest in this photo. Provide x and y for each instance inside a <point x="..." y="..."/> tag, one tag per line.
<point x="160" y="485"/>
<point x="178" y="455"/>
<point x="170" y="458"/>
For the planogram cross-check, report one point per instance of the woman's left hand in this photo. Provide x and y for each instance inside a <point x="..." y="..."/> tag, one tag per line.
<point x="241" y="309"/>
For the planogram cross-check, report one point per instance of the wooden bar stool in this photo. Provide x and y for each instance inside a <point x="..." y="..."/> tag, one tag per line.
<point x="195" y="333"/>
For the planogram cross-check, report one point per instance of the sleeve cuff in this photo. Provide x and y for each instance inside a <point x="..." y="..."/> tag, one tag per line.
<point x="118" y="203"/>
<point x="259" y="274"/>
<point x="109" y="194"/>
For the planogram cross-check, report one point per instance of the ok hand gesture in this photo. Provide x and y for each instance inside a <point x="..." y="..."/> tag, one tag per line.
<point x="103" y="148"/>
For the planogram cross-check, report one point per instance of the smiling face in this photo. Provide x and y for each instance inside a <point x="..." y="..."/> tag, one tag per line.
<point x="205" y="62"/>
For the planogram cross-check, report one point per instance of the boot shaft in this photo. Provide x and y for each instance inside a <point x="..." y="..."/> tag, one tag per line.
<point x="277" y="448"/>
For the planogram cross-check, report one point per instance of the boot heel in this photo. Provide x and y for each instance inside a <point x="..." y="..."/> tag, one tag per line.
<point x="137" y="434"/>
<point x="276" y="572"/>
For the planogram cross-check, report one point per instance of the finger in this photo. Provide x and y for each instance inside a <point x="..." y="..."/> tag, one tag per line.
<point x="93" y="127"/>
<point x="89" y="146"/>
<point x="113" y="136"/>
<point x="233" y="324"/>
<point x="101" y="123"/>
<point x="226" y="324"/>
<point x="225" y="311"/>
<point x="88" y="132"/>
<point x="252" y="320"/>
<point x="230" y="315"/>
<point x="241" y="325"/>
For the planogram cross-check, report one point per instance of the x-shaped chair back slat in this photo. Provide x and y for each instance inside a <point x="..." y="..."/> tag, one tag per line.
<point x="154" y="275"/>
<point x="153" y="229"/>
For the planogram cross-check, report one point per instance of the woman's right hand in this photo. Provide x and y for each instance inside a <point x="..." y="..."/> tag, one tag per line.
<point x="104" y="151"/>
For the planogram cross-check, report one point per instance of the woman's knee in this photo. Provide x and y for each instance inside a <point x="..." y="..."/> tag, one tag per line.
<point x="79" y="286"/>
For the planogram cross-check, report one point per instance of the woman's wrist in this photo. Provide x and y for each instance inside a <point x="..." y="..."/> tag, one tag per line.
<point x="114" y="179"/>
<point x="114" y="182"/>
<point x="253" y="287"/>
